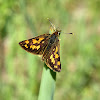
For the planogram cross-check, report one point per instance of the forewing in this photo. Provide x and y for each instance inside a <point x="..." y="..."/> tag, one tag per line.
<point x="35" y="45"/>
<point x="52" y="57"/>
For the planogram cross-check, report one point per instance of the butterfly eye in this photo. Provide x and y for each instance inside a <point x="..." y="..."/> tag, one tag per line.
<point x="58" y="33"/>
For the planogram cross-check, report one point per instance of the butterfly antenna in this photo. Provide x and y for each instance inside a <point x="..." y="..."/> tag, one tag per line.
<point x="69" y="33"/>
<point x="52" y="24"/>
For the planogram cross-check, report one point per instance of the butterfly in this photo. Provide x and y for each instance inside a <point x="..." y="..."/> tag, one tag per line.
<point x="48" y="46"/>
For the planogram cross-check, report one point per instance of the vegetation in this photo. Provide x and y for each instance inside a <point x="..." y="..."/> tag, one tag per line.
<point x="20" y="72"/>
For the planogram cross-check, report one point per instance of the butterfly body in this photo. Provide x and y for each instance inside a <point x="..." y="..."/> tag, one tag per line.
<point x="46" y="45"/>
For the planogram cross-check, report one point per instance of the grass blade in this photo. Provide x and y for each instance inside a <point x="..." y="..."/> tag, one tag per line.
<point x="47" y="86"/>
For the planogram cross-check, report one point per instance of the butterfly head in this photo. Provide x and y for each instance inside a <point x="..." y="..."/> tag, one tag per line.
<point x="59" y="32"/>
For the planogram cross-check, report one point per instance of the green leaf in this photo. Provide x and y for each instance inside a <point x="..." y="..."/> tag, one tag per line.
<point x="47" y="86"/>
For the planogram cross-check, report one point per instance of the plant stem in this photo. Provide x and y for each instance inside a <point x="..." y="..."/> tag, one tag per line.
<point x="47" y="86"/>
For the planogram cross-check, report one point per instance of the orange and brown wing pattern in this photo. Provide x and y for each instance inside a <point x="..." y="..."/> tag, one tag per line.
<point x="52" y="57"/>
<point x="35" y="45"/>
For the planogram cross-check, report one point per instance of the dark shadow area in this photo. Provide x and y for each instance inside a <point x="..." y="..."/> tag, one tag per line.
<point x="51" y="71"/>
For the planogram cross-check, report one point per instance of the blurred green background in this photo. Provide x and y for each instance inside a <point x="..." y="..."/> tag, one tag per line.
<point x="20" y="71"/>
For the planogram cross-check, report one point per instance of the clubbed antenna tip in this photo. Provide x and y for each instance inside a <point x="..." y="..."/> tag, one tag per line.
<point x="69" y="33"/>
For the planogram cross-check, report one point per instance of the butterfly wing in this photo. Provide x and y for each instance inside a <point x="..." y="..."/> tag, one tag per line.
<point x="51" y="56"/>
<point x="35" y="45"/>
